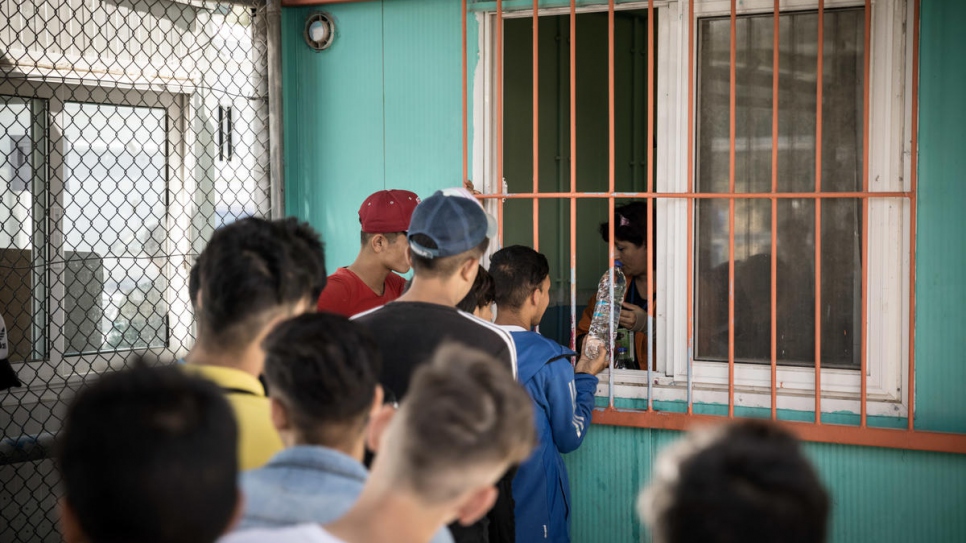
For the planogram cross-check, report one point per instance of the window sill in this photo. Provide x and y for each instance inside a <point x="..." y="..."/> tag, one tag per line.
<point x="899" y="437"/>
<point x="632" y="385"/>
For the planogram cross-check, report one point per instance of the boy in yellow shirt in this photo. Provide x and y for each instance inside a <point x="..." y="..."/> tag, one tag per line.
<point x="252" y="275"/>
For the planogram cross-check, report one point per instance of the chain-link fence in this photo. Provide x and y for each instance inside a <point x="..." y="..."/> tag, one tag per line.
<point x="129" y="131"/>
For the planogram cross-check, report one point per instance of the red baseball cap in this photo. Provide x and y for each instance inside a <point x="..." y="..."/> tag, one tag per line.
<point x="387" y="211"/>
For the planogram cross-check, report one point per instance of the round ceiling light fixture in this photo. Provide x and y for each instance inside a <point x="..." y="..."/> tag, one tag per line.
<point x="319" y="31"/>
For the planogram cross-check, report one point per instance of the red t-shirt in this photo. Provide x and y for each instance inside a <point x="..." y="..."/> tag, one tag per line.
<point x="346" y="294"/>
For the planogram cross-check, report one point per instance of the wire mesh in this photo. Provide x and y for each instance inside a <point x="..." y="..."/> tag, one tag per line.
<point x="129" y="131"/>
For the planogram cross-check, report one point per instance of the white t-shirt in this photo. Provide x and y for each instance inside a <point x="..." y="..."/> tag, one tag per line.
<point x="301" y="533"/>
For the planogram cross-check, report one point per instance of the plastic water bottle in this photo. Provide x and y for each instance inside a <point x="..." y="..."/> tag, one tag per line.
<point x="601" y="327"/>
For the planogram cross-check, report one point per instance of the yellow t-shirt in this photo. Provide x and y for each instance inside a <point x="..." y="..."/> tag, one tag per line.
<point x="258" y="440"/>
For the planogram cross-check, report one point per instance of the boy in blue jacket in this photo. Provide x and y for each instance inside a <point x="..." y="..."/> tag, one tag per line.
<point x="563" y="395"/>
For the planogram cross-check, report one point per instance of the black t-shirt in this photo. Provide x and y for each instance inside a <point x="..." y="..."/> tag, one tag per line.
<point x="408" y="334"/>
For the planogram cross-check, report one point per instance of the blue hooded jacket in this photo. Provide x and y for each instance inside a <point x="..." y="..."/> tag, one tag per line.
<point x="562" y="403"/>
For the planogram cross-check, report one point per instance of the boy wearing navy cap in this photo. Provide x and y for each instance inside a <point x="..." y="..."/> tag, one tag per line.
<point x="448" y="235"/>
<point x="369" y="281"/>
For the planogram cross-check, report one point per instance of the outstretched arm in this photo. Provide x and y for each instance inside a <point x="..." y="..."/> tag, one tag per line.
<point x="570" y="399"/>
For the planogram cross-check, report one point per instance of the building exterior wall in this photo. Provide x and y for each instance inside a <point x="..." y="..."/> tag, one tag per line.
<point x="941" y="252"/>
<point x="380" y="109"/>
<point x="383" y="110"/>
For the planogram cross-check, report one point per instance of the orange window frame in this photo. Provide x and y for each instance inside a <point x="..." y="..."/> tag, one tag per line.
<point x="862" y="434"/>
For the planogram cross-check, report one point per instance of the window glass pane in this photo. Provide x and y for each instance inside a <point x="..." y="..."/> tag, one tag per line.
<point x="22" y="239"/>
<point x="114" y="227"/>
<point x="841" y="171"/>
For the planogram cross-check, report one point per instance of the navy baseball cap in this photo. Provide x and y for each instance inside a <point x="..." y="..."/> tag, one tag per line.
<point x="454" y="220"/>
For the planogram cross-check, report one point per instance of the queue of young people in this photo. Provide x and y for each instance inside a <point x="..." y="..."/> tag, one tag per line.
<point x="265" y="433"/>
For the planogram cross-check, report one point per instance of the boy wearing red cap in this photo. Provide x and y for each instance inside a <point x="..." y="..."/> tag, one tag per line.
<point x="369" y="281"/>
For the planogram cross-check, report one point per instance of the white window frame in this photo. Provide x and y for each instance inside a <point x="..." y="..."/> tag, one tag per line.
<point x="59" y="369"/>
<point x="887" y="309"/>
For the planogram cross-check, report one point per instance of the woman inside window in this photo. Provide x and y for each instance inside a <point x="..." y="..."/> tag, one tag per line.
<point x="630" y="248"/>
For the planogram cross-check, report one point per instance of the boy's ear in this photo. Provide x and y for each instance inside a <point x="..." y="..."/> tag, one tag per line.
<point x="378" y="242"/>
<point x="377" y="398"/>
<point x="377" y="426"/>
<point x="476" y="505"/>
<point x="469" y="269"/>
<point x="535" y="296"/>
<point x="279" y="413"/>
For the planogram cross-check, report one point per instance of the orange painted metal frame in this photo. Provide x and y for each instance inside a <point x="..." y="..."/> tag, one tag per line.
<point x="731" y="208"/>
<point x="825" y="433"/>
<point x="650" y="204"/>
<point x="611" y="178"/>
<point x="862" y="434"/>
<point x="863" y="356"/>
<point x="690" y="205"/>
<point x="573" y="174"/>
<point x="818" y="211"/>
<point x="774" y="213"/>
<point x="913" y="184"/>
<point x="536" y="123"/>
<point x="464" y="69"/>
<point x="499" y="118"/>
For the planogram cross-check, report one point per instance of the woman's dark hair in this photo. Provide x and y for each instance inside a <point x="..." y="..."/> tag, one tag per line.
<point x="481" y="294"/>
<point x="630" y="224"/>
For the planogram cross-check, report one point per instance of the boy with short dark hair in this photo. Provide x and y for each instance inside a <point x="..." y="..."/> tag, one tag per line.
<point x="562" y="399"/>
<point x="322" y="371"/>
<point x="745" y="481"/>
<point x="252" y="275"/>
<point x="463" y="423"/>
<point x="372" y="279"/>
<point x="148" y="455"/>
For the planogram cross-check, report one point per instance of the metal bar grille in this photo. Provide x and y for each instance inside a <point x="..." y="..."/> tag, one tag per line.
<point x="499" y="118"/>
<point x="572" y="59"/>
<point x="774" y="214"/>
<point x="913" y="181"/>
<point x="129" y="131"/>
<point x="863" y="375"/>
<point x="818" y="210"/>
<point x="776" y="197"/>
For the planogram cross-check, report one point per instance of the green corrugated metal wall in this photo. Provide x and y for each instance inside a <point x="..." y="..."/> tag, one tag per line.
<point x="941" y="245"/>
<point x="381" y="109"/>
<point x="879" y="495"/>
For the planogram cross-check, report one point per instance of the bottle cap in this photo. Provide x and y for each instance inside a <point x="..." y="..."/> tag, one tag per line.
<point x="622" y="349"/>
<point x="618" y="263"/>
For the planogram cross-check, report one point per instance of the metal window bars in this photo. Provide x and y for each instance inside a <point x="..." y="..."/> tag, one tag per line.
<point x="129" y="131"/>
<point x="817" y="430"/>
